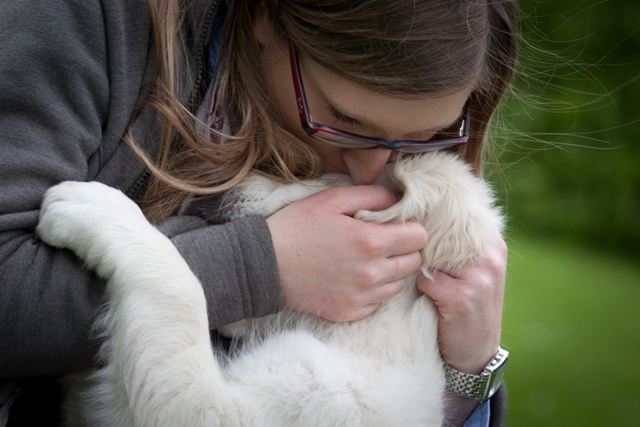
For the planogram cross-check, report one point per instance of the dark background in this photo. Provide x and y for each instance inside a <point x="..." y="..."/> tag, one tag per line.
<point x="569" y="131"/>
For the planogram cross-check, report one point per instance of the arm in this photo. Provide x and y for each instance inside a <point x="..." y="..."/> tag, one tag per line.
<point x="69" y="82"/>
<point x="235" y="263"/>
<point x="329" y="263"/>
<point x="499" y="405"/>
<point x="492" y="413"/>
<point x="470" y="305"/>
<point x="54" y="101"/>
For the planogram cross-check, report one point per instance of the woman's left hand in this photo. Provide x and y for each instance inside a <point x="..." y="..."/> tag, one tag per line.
<point x="470" y="305"/>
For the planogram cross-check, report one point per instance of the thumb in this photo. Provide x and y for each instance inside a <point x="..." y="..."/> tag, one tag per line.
<point x="364" y="197"/>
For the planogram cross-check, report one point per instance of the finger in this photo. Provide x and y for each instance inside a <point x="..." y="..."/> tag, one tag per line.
<point x="473" y="288"/>
<point x="363" y="197"/>
<point x="380" y="295"/>
<point x="387" y="291"/>
<point x="399" y="238"/>
<point x="400" y="266"/>
<point x="366" y="311"/>
<point x="373" y="281"/>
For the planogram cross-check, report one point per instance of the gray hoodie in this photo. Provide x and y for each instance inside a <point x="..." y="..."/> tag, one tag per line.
<point x="71" y="75"/>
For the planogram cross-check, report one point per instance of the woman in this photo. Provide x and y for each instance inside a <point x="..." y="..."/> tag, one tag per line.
<point x="77" y="77"/>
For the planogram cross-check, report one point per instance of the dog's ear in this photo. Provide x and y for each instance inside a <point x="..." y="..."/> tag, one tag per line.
<point x="460" y="213"/>
<point x="455" y="207"/>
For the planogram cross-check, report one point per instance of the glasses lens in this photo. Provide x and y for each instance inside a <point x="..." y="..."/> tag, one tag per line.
<point x="342" y="140"/>
<point x="454" y="132"/>
<point x="420" y="148"/>
<point x="438" y="142"/>
<point x="455" y="135"/>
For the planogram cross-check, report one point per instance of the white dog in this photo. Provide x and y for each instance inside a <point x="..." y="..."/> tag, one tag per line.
<point x="293" y="369"/>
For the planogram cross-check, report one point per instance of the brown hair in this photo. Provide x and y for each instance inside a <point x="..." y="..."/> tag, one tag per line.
<point x="403" y="48"/>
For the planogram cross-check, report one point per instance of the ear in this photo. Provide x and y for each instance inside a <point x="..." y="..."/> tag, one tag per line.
<point x="263" y="16"/>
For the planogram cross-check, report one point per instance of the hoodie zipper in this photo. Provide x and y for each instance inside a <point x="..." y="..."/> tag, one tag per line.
<point x="200" y="53"/>
<point x="200" y="76"/>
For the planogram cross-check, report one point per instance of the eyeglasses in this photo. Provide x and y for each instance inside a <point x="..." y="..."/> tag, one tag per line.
<point x="455" y="135"/>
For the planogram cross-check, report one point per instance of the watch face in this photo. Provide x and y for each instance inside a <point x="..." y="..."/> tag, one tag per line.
<point x="497" y="368"/>
<point x="496" y="379"/>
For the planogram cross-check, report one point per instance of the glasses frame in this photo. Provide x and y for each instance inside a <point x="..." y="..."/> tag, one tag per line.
<point x="360" y="141"/>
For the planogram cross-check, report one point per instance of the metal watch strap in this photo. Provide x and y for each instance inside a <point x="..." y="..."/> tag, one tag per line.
<point x="479" y="387"/>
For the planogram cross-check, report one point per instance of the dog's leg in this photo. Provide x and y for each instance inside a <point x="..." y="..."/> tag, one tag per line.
<point x="169" y="379"/>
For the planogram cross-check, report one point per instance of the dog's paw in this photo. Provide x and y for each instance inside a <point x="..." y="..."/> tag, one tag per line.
<point x="84" y="217"/>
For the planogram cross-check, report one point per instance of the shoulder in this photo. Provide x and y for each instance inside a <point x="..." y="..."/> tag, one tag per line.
<point x="70" y="76"/>
<point x="53" y="37"/>
<point x="68" y="17"/>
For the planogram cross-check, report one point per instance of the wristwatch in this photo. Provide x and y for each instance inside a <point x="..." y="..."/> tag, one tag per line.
<point x="479" y="387"/>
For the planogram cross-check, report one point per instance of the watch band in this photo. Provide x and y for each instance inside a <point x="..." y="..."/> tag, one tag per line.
<point x="479" y="387"/>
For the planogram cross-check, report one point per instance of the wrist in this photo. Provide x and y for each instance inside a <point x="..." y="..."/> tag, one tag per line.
<point x="475" y="363"/>
<point x="458" y="409"/>
<point x="471" y="356"/>
<point x="479" y="387"/>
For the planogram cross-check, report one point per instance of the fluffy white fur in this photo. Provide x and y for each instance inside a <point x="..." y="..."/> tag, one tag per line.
<point x="294" y="369"/>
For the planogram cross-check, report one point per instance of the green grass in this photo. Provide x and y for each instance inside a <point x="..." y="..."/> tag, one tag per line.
<point x="572" y="325"/>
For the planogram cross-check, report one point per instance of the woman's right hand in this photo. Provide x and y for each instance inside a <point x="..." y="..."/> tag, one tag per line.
<point x="335" y="266"/>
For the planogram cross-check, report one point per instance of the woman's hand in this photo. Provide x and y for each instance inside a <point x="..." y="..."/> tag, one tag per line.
<point x="470" y="306"/>
<point x="338" y="267"/>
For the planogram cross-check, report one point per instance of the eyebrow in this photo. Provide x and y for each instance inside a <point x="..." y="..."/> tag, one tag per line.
<point x="358" y="122"/>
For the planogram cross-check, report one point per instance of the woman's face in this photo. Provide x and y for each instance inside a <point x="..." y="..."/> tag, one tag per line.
<point x="342" y="104"/>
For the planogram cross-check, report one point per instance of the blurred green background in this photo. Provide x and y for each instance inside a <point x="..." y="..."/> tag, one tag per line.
<point x="568" y="172"/>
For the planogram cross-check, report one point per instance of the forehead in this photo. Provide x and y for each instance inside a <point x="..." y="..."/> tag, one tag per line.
<point x="380" y="110"/>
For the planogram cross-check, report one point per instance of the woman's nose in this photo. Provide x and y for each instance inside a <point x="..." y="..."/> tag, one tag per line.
<point x="365" y="165"/>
